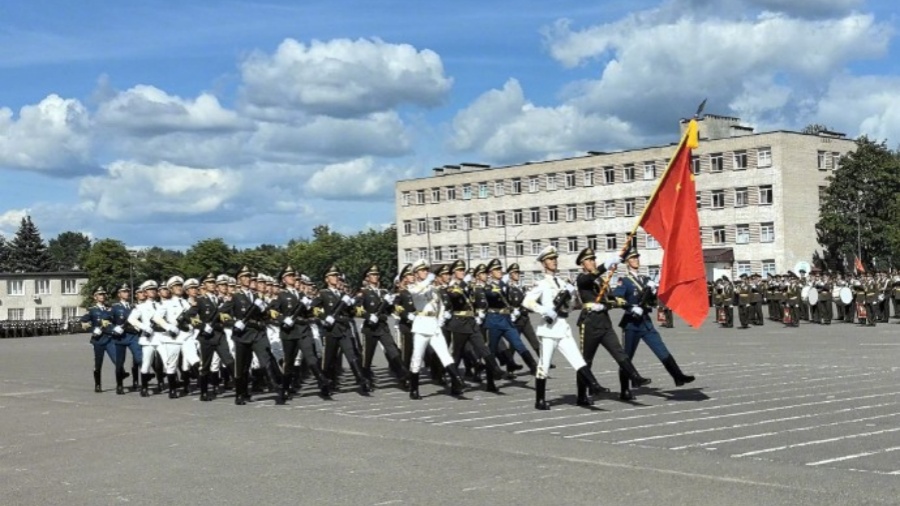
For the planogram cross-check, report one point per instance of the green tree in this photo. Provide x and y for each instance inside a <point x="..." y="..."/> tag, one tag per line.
<point x="266" y="258"/>
<point x="815" y="128"/>
<point x="107" y="264"/>
<point x="68" y="250"/>
<point x="157" y="264"/>
<point x="208" y="255"/>
<point x="28" y="253"/>
<point x="859" y="208"/>
<point x="4" y="254"/>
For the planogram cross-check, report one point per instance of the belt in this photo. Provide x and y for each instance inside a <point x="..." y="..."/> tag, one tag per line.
<point x="463" y="313"/>
<point x="426" y="313"/>
<point x="499" y="311"/>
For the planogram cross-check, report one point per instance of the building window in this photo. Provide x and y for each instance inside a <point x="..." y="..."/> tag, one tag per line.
<point x="485" y="251"/>
<point x="652" y="243"/>
<point x="451" y="223"/>
<point x="695" y="164"/>
<point x="743" y="234"/>
<point x="768" y="268"/>
<point x="407" y="227"/>
<point x="467" y="192"/>
<point x="520" y="248"/>
<point x="467" y="222"/>
<point x="69" y="312"/>
<point x="589" y="177"/>
<point x="482" y="190"/>
<point x="535" y="215"/>
<point x="767" y="232"/>
<point x="628" y="173"/>
<point x="653" y="271"/>
<point x="500" y="218"/>
<point x="436" y="224"/>
<point x="570" y="179"/>
<point x="611" y="243"/>
<point x="483" y="220"/>
<point x="452" y="252"/>
<point x="609" y="208"/>
<point x="15" y="287"/>
<point x="501" y="249"/>
<point x="554" y="241"/>
<point x="718" y="235"/>
<point x="765" y="195"/>
<point x="423" y="253"/>
<point x="743" y="267"/>
<point x="406" y="199"/>
<point x="438" y="254"/>
<point x="421" y="226"/>
<point x="517" y="217"/>
<point x="822" y="160"/>
<point x="70" y="286"/>
<point x="535" y="247"/>
<point x="435" y="195"/>
<point x="573" y="244"/>
<point x="764" y="157"/>
<point x="409" y="256"/>
<point x="716" y="162"/>
<point x="451" y="193"/>
<point x="571" y="212"/>
<point x="592" y="242"/>
<point x="15" y="314"/>
<point x="740" y="160"/>
<point x="534" y="184"/>
<point x="629" y="207"/>
<point x="517" y="186"/>
<point x="420" y="197"/>
<point x="718" y="199"/>
<point x="649" y="171"/>
<point x="552" y="214"/>
<point x="699" y="200"/>
<point x="835" y="161"/>
<point x="499" y="188"/>
<point x="741" y="197"/>
<point x="551" y="181"/>
<point x="589" y="211"/>
<point x="609" y="175"/>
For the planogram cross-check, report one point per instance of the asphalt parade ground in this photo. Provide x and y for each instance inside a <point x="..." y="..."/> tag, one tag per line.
<point x="776" y="416"/>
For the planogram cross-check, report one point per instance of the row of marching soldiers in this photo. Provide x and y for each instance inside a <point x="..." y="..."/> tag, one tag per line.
<point x="222" y="328"/>
<point x="818" y="298"/>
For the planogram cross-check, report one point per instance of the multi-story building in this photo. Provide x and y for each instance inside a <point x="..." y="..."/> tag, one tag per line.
<point x="41" y="295"/>
<point x="757" y="196"/>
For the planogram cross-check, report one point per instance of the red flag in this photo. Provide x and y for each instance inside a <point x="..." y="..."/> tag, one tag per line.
<point x="671" y="218"/>
<point x="859" y="266"/>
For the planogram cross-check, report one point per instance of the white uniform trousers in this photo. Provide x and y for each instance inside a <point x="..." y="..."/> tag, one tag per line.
<point x="152" y="345"/>
<point x="190" y="350"/>
<point x="172" y="346"/>
<point x="438" y="345"/>
<point x="567" y="346"/>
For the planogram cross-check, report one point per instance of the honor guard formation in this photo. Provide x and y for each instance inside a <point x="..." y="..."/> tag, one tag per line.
<point x="253" y="333"/>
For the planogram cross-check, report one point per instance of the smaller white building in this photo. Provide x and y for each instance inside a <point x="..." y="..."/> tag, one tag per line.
<point x="41" y="295"/>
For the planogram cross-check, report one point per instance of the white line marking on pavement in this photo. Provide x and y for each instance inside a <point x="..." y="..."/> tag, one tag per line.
<point x="855" y="456"/>
<point x="816" y="442"/>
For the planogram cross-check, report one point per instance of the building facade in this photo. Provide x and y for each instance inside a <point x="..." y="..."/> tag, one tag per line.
<point x="757" y="196"/>
<point x="41" y="296"/>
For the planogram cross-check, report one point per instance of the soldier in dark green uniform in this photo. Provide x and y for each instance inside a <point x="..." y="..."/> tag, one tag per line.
<point x="756" y="299"/>
<point x="742" y="289"/>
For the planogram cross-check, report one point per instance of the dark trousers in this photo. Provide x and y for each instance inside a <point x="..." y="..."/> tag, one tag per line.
<point x="896" y="307"/>
<point x="744" y="315"/>
<point x="251" y="342"/>
<point x="371" y="341"/>
<point x="840" y="310"/>
<point x="127" y="342"/>
<point x="333" y="344"/>
<point x="594" y="336"/>
<point x="101" y="345"/>
<point x="215" y="344"/>
<point x="406" y="341"/>
<point x="500" y="325"/>
<point x="823" y="312"/>
<point x="756" y="313"/>
<point x="526" y="330"/>
<point x="460" y="340"/>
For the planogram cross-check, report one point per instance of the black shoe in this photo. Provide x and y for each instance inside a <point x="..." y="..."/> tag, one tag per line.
<point x="540" y="390"/>
<point x="625" y="386"/>
<point x="675" y="371"/>
<point x="456" y="384"/>
<point x="414" y="386"/>
<point x="145" y="392"/>
<point x="637" y="380"/>
<point x="120" y="390"/>
<point x="591" y="382"/>
<point x="281" y="398"/>
<point x="97" y="387"/>
<point x="530" y="362"/>
<point x="239" y="400"/>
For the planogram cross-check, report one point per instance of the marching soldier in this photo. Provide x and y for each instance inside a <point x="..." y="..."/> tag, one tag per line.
<point x="248" y="312"/>
<point x="206" y="315"/>
<point x="125" y="337"/>
<point x="774" y="295"/>
<point x="377" y="304"/>
<point x="405" y="311"/>
<point x="99" y="317"/>
<point x="635" y="290"/>
<point x="141" y="318"/>
<point x="596" y="327"/>
<point x="497" y="321"/>
<point x="551" y="298"/>
<point x="520" y="314"/>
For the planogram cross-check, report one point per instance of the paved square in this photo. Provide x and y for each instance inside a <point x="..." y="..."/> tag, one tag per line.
<point x="776" y="416"/>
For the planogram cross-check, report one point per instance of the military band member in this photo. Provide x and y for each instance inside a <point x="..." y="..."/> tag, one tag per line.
<point x="99" y="317"/>
<point x="756" y="299"/>
<point x="551" y="297"/>
<point x="635" y="289"/>
<point x="724" y="295"/>
<point x="774" y="296"/>
<point x="792" y="292"/>
<point x="803" y="306"/>
<point x="377" y="305"/>
<point x="871" y="300"/>
<point x="824" y="311"/>
<point x="743" y="292"/>
<point x="596" y="327"/>
<point x="667" y="317"/>
<point x="125" y="338"/>
<point x="426" y="329"/>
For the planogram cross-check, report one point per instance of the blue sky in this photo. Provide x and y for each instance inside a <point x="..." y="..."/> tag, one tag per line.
<point x="162" y="123"/>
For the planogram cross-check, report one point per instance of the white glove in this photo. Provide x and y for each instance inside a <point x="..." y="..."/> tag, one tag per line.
<point x="240" y="325"/>
<point x="306" y="301"/>
<point x="260" y="304"/>
<point x="611" y="262"/>
<point x="515" y="314"/>
<point x="288" y="322"/>
<point x="346" y="299"/>
<point x="652" y="284"/>
<point x="207" y="329"/>
<point x="478" y="320"/>
<point x="598" y="307"/>
<point x="446" y="315"/>
<point x="467" y="278"/>
<point x="746" y="305"/>
<point x="329" y="320"/>
<point x="571" y="288"/>
<point x="373" y="318"/>
<point x="550" y="313"/>
<point x="505" y="278"/>
<point x="118" y="330"/>
<point x="389" y="298"/>
<point x="411" y="316"/>
<point x="97" y="331"/>
<point x="880" y="297"/>
<point x="637" y="311"/>
<point x="147" y="329"/>
<point x="481" y="314"/>
<point x="429" y="279"/>
<point x="442" y="322"/>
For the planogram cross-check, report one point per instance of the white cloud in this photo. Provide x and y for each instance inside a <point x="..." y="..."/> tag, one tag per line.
<point x="11" y="220"/>
<point x="343" y="77"/>
<point x="808" y="8"/>
<point x="861" y="105"/>
<point x="53" y="137"/>
<point x="359" y="179"/>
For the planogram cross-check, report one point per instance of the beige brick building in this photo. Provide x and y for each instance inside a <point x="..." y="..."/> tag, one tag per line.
<point x="757" y="195"/>
<point x="41" y="296"/>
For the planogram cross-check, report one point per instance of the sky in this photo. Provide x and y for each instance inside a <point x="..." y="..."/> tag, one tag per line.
<point x="161" y="123"/>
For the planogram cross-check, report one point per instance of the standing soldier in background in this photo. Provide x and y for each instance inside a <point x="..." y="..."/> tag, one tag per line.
<point x="792" y="300"/>
<point x="377" y="304"/>
<point x="803" y="307"/>
<point x="665" y="316"/>
<point x="823" y="306"/>
<point x="871" y="299"/>
<point x="99" y="317"/>
<point x="756" y="299"/>
<point x="724" y="298"/>
<point x="125" y="337"/>
<point x="895" y="294"/>
<point x="743" y="295"/>
<point x="774" y="294"/>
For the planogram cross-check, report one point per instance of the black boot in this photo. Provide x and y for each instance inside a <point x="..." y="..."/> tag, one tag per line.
<point x="540" y="390"/>
<point x="456" y="384"/>
<point x="528" y="358"/>
<point x="173" y="385"/>
<point x="97" y="387"/>
<point x="158" y="369"/>
<point x="240" y="394"/>
<point x="582" y="399"/>
<point x="204" y="388"/>
<point x="414" y="386"/>
<point x="637" y="380"/>
<point x="399" y="371"/>
<point x="590" y="381"/>
<point x="365" y="384"/>
<point x="511" y="365"/>
<point x="145" y="385"/>
<point x="135" y="377"/>
<point x="493" y="367"/>
<point x="324" y="384"/>
<point x="185" y="383"/>
<point x="214" y="380"/>
<point x="120" y="378"/>
<point x="258" y="381"/>
<point x="491" y="386"/>
<point x="625" y="385"/>
<point x="679" y="377"/>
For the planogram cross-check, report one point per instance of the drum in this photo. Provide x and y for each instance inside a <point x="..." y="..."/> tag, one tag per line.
<point x="786" y="316"/>
<point x="720" y="316"/>
<point x="660" y="316"/>
<point x="861" y="311"/>
<point x="804" y="293"/>
<point x="846" y="295"/>
<point x="812" y="297"/>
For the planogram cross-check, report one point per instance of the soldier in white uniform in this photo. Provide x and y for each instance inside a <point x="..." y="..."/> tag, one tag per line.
<point x="170" y="338"/>
<point x="151" y="339"/>
<point x="427" y="331"/>
<point x="179" y="340"/>
<point x="550" y="298"/>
